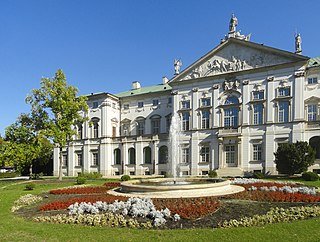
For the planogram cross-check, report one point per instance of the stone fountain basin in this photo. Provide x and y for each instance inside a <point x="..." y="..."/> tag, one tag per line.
<point x="167" y="184"/>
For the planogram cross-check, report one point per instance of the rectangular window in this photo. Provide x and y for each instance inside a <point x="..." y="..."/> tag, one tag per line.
<point x="284" y="92"/>
<point x="125" y="128"/>
<point x="258" y="114"/>
<point x="205" y="119"/>
<point x="114" y="131"/>
<point x="168" y="123"/>
<point x="95" y="159"/>
<point x="231" y="117"/>
<point x="283" y="112"/>
<point x="230" y="154"/>
<point x="95" y="105"/>
<point x="79" y="159"/>
<point x="155" y="102"/>
<point x="140" y="104"/>
<point x="312" y="80"/>
<point x="205" y="102"/>
<point x="258" y="95"/>
<point x="95" y="130"/>
<point x="169" y="100"/>
<point x="185" y="155"/>
<point x="185" y="104"/>
<point x="312" y="112"/>
<point x="185" y="121"/>
<point x="155" y="125"/>
<point x="205" y="154"/>
<point x="140" y="127"/>
<point x="257" y="152"/>
<point x="65" y="160"/>
<point x="125" y="106"/>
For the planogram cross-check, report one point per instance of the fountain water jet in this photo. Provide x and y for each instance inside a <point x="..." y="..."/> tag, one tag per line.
<point x="174" y="145"/>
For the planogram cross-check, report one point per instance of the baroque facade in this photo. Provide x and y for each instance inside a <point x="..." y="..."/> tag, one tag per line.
<point x="237" y="103"/>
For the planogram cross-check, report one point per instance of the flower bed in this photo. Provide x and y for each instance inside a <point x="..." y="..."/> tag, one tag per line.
<point x="112" y="185"/>
<point x="80" y="190"/>
<point x="189" y="208"/>
<point x="64" y="204"/>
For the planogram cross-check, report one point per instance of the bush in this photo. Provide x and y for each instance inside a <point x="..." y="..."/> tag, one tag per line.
<point x="8" y="174"/>
<point x="30" y="186"/>
<point x="125" y="178"/>
<point x="81" y="180"/>
<point x="90" y="175"/>
<point x="310" y="176"/>
<point x="212" y="174"/>
<point x="258" y="175"/>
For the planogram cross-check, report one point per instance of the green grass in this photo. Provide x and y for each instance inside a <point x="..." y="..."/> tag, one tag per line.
<point x="13" y="228"/>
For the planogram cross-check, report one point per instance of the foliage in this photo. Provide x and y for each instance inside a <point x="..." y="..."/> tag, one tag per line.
<point x="30" y="186"/>
<point x="8" y="174"/>
<point x="275" y="215"/>
<point x="25" y="201"/>
<point x="212" y="174"/>
<point x="90" y="175"/>
<point x="294" y="158"/>
<point x="81" y="180"/>
<point x="59" y="110"/>
<point x="125" y="178"/>
<point x="310" y="176"/>
<point x="258" y="175"/>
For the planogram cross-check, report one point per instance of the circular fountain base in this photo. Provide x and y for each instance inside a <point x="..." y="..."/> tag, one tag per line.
<point x="182" y="187"/>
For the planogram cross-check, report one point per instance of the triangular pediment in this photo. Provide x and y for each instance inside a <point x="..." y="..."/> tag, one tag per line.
<point x="236" y="55"/>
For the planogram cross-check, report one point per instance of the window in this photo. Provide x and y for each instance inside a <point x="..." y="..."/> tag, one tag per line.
<point x="231" y="117"/>
<point x="185" y="121"/>
<point x="155" y="102"/>
<point x="257" y="152"/>
<point x="283" y="92"/>
<point x="132" y="156"/>
<point x="140" y="127"/>
<point x="147" y="155"/>
<point x="312" y="112"/>
<point x="185" y="173"/>
<point x="79" y="131"/>
<point x="168" y="123"/>
<point x="230" y="154"/>
<point x="155" y="125"/>
<point x="185" y="155"/>
<point x="117" y="156"/>
<point x="185" y="104"/>
<point x="113" y="105"/>
<point x="205" y="154"/>
<point x="205" y="119"/>
<point x="140" y="104"/>
<point x="114" y="131"/>
<point x="231" y="100"/>
<point x="132" y="173"/>
<point x="95" y="129"/>
<point x="95" y="159"/>
<point x="283" y="112"/>
<point x="65" y="160"/>
<point x="125" y="106"/>
<point x="163" y="154"/>
<point x="258" y="113"/>
<point x="169" y="100"/>
<point x="258" y="95"/>
<point x="95" y="105"/>
<point x="312" y="80"/>
<point x="205" y="102"/>
<point x="79" y="159"/>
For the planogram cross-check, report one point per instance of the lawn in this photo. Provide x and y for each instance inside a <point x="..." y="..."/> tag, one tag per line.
<point x="14" y="228"/>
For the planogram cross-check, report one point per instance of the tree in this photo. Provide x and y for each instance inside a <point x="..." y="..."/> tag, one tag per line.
<point x="294" y="158"/>
<point x="58" y="108"/>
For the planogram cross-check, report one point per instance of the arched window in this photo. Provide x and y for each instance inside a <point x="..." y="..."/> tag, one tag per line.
<point x="147" y="155"/>
<point x="95" y="127"/>
<point x="163" y="154"/>
<point x="79" y="131"/>
<point x="132" y="156"/>
<point x="140" y="121"/>
<point x="231" y="113"/>
<point x="117" y="156"/>
<point x="231" y="100"/>
<point x="315" y="144"/>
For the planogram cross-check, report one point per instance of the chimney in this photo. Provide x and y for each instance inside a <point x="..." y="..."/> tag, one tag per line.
<point x="136" y="85"/>
<point x="165" y="80"/>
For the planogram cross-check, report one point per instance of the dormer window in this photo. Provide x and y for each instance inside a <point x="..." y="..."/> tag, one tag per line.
<point x="126" y="106"/>
<point x="155" y="102"/>
<point x="312" y="80"/>
<point x="258" y="95"/>
<point x="140" y="104"/>
<point x="205" y="102"/>
<point x="95" y="105"/>
<point x="185" y="104"/>
<point x="284" y="92"/>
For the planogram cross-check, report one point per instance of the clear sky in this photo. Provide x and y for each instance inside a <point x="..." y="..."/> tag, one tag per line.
<point x="104" y="45"/>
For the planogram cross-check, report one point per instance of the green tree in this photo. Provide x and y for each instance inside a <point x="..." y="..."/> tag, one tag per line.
<point x="294" y="158"/>
<point x="58" y="108"/>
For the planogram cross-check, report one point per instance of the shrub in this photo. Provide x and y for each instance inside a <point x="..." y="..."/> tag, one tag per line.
<point x="81" y="180"/>
<point x="212" y="174"/>
<point x="310" y="176"/>
<point x="90" y="175"/>
<point x="258" y="175"/>
<point x="125" y="178"/>
<point x="30" y="186"/>
<point x="8" y="174"/>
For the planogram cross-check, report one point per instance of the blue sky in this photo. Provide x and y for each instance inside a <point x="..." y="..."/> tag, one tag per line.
<point x="102" y="46"/>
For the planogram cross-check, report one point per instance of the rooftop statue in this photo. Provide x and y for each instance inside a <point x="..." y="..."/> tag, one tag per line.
<point x="233" y="24"/>
<point x="298" y="43"/>
<point x="177" y="65"/>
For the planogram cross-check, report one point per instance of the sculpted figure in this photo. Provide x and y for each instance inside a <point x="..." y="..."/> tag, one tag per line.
<point x="233" y="24"/>
<point x="298" y="43"/>
<point x="177" y="65"/>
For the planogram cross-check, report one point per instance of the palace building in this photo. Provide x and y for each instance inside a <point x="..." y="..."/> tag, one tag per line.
<point x="236" y="104"/>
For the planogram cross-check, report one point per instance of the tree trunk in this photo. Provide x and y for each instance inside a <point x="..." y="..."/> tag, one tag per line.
<point x="30" y="170"/>
<point x="60" y="163"/>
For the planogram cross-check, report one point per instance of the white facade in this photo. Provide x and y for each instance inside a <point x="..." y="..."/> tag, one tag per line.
<point x="236" y="104"/>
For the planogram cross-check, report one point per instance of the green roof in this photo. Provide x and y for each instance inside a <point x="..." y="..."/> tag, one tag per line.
<point x="314" y="62"/>
<point x="145" y="90"/>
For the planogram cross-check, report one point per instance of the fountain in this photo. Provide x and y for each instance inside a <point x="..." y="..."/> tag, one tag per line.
<point x="176" y="186"/>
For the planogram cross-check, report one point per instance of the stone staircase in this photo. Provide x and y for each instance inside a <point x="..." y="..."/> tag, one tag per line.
<point x="230" y="171"/>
